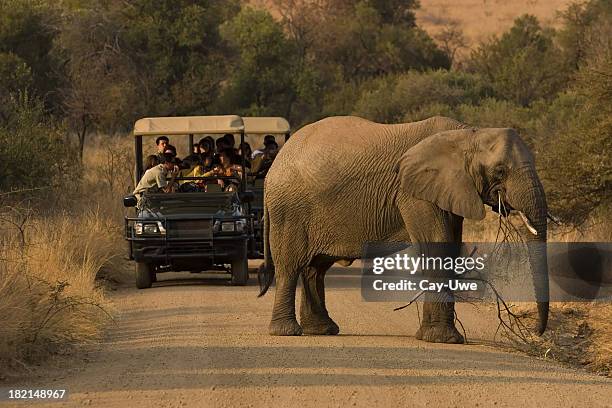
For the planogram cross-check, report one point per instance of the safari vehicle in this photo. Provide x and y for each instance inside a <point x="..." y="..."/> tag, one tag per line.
<point x="189" y="231"/>
<point x="256" y="128"/>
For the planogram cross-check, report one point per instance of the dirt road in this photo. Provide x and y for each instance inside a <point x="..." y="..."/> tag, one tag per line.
<point x="200" y="342"/>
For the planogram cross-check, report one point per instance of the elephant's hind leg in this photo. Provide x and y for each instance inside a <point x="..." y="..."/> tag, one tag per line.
<point x="284" y="322"/>
<point x="314" y="317"/>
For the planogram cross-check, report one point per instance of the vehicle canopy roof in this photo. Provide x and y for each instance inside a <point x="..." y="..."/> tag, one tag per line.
<point x="255" y="125"/>
<point x="185" y="125"/>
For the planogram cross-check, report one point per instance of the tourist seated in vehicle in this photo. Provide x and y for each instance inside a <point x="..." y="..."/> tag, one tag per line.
<point x="246" y="151"/>
<point x="228" y="167"/>
<point x="268" y="140"/>
<point x="197" y="171"/>
<point x="157" y="179"/>
<point x="171" y="150"/>
<point x="161" y="142"/>
<point x="206" y="146"/>
<point x="262" y="162"/>
<point x="194" y="158"/>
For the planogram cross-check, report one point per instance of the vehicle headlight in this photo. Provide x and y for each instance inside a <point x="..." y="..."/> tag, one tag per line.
<point x="149" y="228"/>
<point x="240" y="225"/>
<point x="228" y="227"/>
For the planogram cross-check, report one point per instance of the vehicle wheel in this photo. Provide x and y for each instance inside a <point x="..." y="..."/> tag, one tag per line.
<point x="144" y="275"/>
<point x="240" y="269"/>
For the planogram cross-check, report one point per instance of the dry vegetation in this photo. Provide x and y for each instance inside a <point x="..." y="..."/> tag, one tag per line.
<point x="53" y="266"/>
<point x="578" y="333"/>
<point x="478" y="20"/>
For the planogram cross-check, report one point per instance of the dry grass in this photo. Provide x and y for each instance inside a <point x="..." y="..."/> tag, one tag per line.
<point x="48" y="295"/>
<point x="477" y="20"/>
<point x="52" y="259"/>
<point x="579" y="333"/>
<point x="481" y="19"/>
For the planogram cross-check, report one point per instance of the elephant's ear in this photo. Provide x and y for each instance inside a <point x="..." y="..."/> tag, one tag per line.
<point x="435" y="170"/>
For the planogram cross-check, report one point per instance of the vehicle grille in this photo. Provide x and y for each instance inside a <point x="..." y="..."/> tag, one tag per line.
<point x="190" y="229"/>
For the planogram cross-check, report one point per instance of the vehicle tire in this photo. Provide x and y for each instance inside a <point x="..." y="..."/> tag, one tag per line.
<point x="240" y="269"/>
<point x="144" y="275"/>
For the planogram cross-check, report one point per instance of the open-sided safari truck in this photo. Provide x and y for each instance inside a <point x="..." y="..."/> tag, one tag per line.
<point x="256" y="128"/>
<point x="189" y="231"/>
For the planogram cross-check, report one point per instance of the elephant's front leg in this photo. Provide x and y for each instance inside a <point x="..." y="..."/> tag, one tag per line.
<point x="284" y="322"/>
<point x="314" y="317"/>
<point x="429" y="226"/>
<point x="438" y="323"/>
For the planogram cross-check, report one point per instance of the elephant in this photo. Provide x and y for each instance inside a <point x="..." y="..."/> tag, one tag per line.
<point x="343" y="181"/>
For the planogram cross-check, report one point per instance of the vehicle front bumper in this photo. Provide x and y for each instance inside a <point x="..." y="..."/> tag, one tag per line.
<point x="203" y="246"/>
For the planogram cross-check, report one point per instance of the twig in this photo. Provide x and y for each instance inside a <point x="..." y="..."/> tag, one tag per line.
<point x="411" y="301"/>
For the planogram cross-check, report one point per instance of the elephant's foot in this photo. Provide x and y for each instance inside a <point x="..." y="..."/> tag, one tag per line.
<point x="319" y="326"/>
<point x="442" y="333"/>
<point x="285" y="327"/>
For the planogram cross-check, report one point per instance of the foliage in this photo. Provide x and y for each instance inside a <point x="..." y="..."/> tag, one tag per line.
<point x="579" y="145"/>
<point x="396" y="98"/>
<point x="98" y="65"/>
<point x="523" y="65"/>
<point x="27" y="31"/>
<point x="261" y="76"/>
<point x="34" y="152"/>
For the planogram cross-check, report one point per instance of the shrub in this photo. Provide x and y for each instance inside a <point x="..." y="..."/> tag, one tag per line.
<point x="48" y="296"/>
<point x="523" y="65"/>
<point x="492" y="112"/>
<point x="34" y="149"/>
<point x="394" y="98"/>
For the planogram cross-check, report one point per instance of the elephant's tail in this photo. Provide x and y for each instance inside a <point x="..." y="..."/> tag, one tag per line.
<point x="265" y="273"/>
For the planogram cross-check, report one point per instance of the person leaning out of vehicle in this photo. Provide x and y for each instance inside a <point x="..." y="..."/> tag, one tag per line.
<point x="158" y="179"/>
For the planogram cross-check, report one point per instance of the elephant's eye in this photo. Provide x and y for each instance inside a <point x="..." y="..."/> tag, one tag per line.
<point x="499" y="172"/>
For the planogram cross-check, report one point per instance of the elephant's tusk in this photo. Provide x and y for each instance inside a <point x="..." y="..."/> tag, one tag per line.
<point x="528" y="224"/>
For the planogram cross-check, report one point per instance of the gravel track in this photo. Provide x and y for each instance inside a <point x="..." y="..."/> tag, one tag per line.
<point x="197" y="341"/>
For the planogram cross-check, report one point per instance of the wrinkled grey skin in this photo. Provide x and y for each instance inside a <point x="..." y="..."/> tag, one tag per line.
<point x="343" y="181"/>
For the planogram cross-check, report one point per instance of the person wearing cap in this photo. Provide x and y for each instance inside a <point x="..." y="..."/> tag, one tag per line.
<point x="156" y="179"/>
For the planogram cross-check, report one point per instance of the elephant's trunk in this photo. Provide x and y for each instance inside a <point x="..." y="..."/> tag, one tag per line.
<point x="525" y="193"/>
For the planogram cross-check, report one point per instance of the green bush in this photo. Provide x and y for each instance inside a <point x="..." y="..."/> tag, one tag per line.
<point x="492" y="112"/>
<point x="34" y="151"/>
<point x="395" y="98"/>
<point x="523" y="65"/>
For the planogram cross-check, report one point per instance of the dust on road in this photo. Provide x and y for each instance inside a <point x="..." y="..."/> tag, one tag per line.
<point x="201" y="342"/>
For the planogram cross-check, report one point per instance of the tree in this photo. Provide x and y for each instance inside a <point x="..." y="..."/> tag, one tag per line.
<point x="576" y="154"/>
<point x="142" y="58"/>
<point x="261" y="76"/>
<point x="27" y="31"/>
<point x="523" y="65"/>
